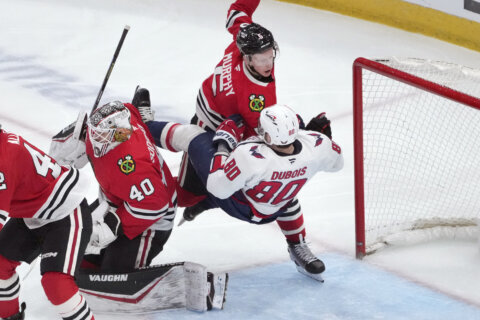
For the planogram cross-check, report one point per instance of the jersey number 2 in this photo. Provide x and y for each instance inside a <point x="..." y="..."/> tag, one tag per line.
<point x="3" y="185"/>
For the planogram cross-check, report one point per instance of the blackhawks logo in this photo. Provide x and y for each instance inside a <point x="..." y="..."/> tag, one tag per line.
<point x="257" y="103"/>
<point x="127" y="164"/>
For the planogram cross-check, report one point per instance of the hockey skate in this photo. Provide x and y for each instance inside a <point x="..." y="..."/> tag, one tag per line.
<point x="305" y="261"/>
<point x="20" y="315"/>
<point x="217" y="290"/>
<point x="141" y="101"/>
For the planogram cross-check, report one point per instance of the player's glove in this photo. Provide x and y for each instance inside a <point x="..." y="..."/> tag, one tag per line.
<point x="229" y="132"/>
<point x="68" y="146"/>
<point x="103" y="233"/>
<point x="320" y="124"/>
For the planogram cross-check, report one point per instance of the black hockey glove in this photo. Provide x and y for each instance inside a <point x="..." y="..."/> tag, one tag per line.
<point x="320" y="124"/>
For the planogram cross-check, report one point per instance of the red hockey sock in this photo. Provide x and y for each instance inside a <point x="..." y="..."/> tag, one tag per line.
<point x="62" y="291"/>
<point x="292" y="229"/>
<point x="9" y="287"/>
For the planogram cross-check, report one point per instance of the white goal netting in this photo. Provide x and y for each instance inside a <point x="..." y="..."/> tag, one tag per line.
<point x="421" y="155"/>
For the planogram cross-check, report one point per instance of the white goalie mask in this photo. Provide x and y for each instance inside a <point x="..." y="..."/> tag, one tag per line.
<point x="108" y="126"/>
<point x="281" y="124"/>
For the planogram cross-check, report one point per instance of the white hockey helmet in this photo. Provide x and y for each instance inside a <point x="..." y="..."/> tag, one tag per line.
<point x="281" y="124"/>
<point x="108" y="126"/>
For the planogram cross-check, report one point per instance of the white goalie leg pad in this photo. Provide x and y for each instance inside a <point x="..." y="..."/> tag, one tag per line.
<point x="196" y="286"/>
<point x="180" y="136"/>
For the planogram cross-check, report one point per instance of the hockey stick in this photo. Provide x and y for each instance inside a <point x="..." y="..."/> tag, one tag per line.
<point x="110" y="68"/>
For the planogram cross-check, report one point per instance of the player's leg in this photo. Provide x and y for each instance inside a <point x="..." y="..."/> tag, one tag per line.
<point x="292" y="225"/>
<point x="16" y="244"/>
<point x="62" y="252"/>
<point x="136" y="253"/>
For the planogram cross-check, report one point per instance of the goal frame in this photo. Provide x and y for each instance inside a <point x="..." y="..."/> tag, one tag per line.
<point x="358" y="65"/>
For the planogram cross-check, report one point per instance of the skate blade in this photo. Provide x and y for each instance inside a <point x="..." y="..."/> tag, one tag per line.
<point x="316" y="276"/>
<point x="182" y="221"/>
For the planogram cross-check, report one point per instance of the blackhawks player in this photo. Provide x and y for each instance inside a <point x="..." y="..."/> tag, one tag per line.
<point x="141" y="197"/>
<point x="243" y="82"/>
<point x="48" y="217"/>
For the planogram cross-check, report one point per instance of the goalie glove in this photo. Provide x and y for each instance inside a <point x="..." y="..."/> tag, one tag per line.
<point x="229" y="132"/>
<point x="68" y="146"/>
<point x="103" y="233"/>
<point x="320" y="124"/>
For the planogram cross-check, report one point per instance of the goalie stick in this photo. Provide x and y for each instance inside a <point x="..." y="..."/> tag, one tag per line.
<point x="112" y="64"/>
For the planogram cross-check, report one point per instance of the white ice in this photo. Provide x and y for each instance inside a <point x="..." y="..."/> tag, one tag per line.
<point x="53" y="57"/>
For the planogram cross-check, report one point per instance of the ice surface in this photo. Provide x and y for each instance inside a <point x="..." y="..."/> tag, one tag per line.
<point x="53" y="57"/>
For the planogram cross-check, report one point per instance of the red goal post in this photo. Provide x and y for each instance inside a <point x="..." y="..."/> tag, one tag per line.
<point x="409" y="114"/>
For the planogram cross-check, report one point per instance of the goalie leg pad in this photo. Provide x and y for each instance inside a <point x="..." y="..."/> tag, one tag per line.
<point x="196" y="286"/>
<point x="218" y="289"/>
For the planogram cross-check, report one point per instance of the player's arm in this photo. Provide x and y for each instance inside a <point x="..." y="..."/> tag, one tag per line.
<point x="145" y="201"/>
<point x="331" y="156"/>
<point x="225" y="177"/>
<point x="240" y="11"/>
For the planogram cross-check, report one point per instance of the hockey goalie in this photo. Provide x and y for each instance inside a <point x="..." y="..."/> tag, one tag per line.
<point x="122" y="154"/>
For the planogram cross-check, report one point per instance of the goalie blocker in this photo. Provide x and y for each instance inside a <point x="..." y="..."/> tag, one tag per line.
<point x="177" y="285"/>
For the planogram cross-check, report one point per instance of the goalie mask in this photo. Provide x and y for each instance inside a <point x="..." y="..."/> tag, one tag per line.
<point x="281" y="124"/>
<point x="108" y="126"/>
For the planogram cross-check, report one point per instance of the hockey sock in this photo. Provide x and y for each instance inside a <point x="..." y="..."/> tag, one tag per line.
<point x="9" y="287"/>
<point x="292" y="225"/>
<point x="62" y="291"/>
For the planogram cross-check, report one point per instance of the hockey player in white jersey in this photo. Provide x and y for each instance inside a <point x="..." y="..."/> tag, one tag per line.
<point x="258" y="180"/>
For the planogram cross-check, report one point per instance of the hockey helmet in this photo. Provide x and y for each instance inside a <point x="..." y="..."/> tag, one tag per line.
<point x="108" y="126"/>
<point x="281" y="124"/>
<point x="253" y="38"/>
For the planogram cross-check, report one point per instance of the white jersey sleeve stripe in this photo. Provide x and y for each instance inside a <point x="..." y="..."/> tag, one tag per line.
<point x="234" y="15"/>
<point x="211" y="118"/>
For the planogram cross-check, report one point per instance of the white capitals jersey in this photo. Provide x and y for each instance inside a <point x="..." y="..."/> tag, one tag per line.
<point x="269" y="180"/>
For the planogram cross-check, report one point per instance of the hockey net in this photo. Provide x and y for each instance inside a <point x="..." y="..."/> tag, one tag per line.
<point x="417" y="151"/>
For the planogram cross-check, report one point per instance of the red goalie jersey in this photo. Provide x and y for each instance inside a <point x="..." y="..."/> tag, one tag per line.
<point x="135" y="179"/>
<point x="33" y="185"/>
<point x="231" y="89"/>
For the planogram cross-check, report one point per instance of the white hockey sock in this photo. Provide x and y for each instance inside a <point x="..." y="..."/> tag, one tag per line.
<point x="177" y="137"/>
<point x="75" y="308"/>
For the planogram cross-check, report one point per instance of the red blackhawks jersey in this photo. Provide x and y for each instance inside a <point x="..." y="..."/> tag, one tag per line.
<point x="136" y="180"/>
<point x="33" y="186"/>
<point x="231" y="89"/>
<point x="269" y="180"/>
